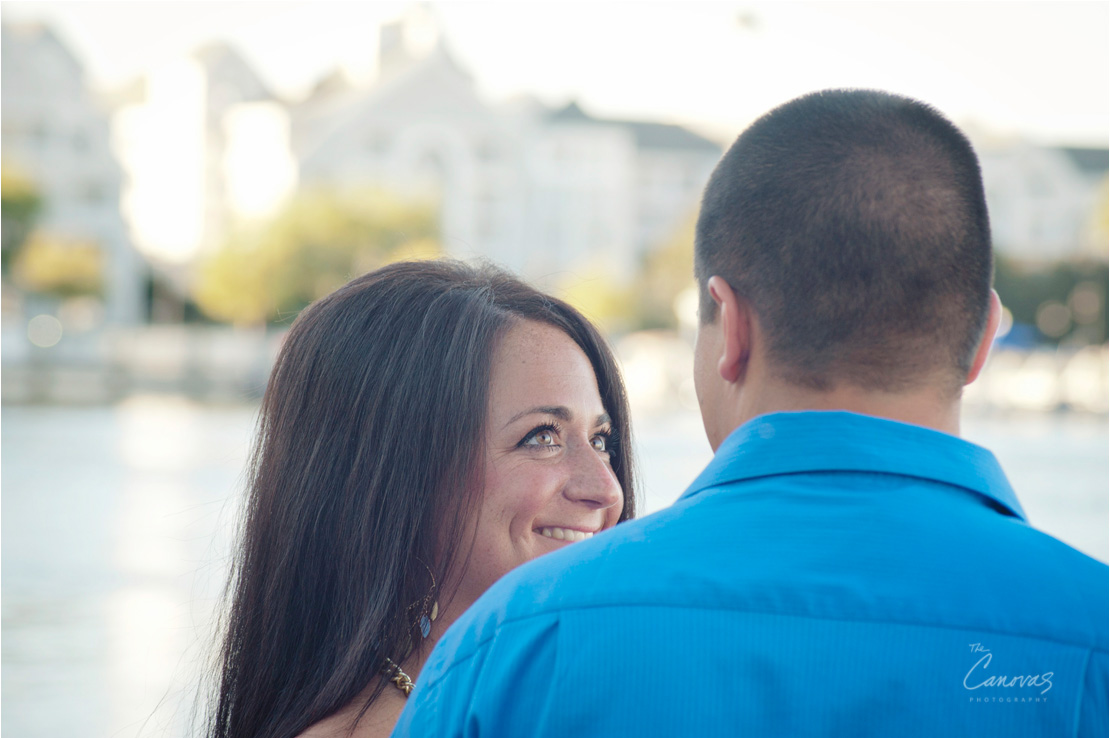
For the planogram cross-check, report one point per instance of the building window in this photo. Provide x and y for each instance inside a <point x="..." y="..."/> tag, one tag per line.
<point x="92" y="194"/>
<point x="488" y="151"/>
<point x="1040" y="186"/>
<point x="39" y="135"/>
<point x="377" y="143"/>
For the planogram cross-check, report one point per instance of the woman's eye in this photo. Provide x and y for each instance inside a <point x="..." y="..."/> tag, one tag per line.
<point x="600" y="443"/>
<point x="542" y="438"/>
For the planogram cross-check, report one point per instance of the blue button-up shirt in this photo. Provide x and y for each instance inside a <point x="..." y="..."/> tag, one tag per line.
<point x="827" y="574"/>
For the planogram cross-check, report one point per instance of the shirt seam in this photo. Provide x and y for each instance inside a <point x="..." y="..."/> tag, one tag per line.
<point x="1084" y="646"/>
<point x="995" y="501"/>
<point x="457" y="662"/>
<point x="556" y="612"/>
<point x="1080" y="692"/>
<point x="971" y="462"/>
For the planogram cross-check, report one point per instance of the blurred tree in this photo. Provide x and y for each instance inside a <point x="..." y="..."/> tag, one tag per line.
<point x="1100" y="218"/>
<point x="645" y="303"/>
<point x="666" y="272"/>
<point x="602" y="298"/>
<point x="56" y="265"/>
<point x="1079" y="287"/>
<point x="20" y="204"/>
<point x="319" y="241"/>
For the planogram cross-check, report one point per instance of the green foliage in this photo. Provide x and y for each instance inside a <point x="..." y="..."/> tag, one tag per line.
<point x="20" y="204"/>
<point x="603" y="300"/>
<point x="647" y="301"/>
<point x="1025" y="289"/>
<point x="63" y="267"/>
<point x="666" y="272"/>
<point x="320" y="241"/>
<point x="1100" y="217"/>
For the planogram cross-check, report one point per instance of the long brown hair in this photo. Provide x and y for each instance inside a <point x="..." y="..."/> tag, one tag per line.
<point x="366" y="467"/>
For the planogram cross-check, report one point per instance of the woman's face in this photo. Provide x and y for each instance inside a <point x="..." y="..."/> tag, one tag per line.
<point x="548" y="478"/>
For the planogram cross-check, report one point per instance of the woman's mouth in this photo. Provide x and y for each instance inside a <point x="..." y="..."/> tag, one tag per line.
<point x="565" y="534"/>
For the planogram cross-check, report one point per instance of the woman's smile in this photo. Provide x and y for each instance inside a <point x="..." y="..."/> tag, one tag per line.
<point x="565" y="534"/>
<point x="548" y="476"/>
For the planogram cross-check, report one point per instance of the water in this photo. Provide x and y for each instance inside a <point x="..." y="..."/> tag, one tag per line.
<point x="115" y="533"/>
<point x="117" y="520"/>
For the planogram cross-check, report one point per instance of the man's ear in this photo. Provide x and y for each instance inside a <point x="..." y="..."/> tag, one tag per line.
<point x="735" y="330"/>
<point x="994" y="317"/>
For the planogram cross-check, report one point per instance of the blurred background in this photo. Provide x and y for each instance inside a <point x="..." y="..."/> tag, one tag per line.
<point x="180" y="179"/>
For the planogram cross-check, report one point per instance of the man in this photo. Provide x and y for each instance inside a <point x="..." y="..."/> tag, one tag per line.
<point x="845" y="565"/>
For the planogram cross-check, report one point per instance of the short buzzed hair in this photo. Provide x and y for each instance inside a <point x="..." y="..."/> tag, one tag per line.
<point x="855" y="225"/>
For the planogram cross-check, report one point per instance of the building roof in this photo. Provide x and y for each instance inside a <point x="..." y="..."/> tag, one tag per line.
<point x="224" y="63"/>
<point x="1089" y="161"/>
<point x="434" y="87"/>
<point x="334" y="83"/>
<point x="666" y="136"/>
<point x="648" y="135"/>
<point x="20" y="40"/>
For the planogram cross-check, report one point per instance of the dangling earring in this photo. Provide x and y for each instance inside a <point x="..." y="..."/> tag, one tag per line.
<point x="426" y="620"/>
<point x="427" y="617"/>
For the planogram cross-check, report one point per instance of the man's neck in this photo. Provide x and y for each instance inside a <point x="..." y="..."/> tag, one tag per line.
<point x="924" y="407"/>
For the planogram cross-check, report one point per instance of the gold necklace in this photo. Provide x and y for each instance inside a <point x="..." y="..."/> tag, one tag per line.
<point x="399" y="678"/>
<point x="393" y="671"/>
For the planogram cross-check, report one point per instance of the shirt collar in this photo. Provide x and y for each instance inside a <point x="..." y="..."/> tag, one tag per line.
<point x="822" y="441"/>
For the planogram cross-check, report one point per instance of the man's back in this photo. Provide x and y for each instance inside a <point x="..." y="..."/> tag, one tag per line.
<point x="829" y="574"/>
<point x="846" y="565"/>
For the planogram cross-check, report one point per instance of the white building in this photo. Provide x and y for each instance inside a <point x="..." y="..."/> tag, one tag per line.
<point x="206" y="148"/>
<point x="422" y="131"/>
<point x="1043" y="201"/>
<point x="542" y="192"/>
<point x="618" y="188"/>
<point x="55" y="134"/>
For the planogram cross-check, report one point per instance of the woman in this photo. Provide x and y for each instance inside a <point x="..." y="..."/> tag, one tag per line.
<point x="426" y="428"/>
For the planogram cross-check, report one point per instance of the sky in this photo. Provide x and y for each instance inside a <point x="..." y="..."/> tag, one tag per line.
<point x="1040" y="70"/>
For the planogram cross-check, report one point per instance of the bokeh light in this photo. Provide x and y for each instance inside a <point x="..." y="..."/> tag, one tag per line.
<point x="1005" y="324"/>
<point x="44" y="331"/>
<point x="1053" y="319"/>
<point x="1085" y="302"/>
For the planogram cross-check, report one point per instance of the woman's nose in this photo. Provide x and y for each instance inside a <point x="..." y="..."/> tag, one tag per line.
<point x="592" y="480"/>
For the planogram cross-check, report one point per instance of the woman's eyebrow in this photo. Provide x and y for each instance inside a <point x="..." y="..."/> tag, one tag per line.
<point x="559" y="411"/>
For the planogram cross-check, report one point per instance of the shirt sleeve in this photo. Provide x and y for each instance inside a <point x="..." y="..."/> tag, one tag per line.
<point x="1093" y="721"/>
<point x="505" y="686"/>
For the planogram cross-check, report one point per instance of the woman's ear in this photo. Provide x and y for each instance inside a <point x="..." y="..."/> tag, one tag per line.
<point x="994" y="317"/>
<point x="735" y="330"/>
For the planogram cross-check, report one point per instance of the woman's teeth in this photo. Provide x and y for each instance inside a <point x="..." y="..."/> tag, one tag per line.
<point x="565" y="534"/>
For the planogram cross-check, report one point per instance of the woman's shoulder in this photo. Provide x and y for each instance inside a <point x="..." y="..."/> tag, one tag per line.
<point x="376" y="722"/>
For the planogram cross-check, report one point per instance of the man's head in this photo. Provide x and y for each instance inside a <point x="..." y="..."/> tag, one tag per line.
<point x="854" y="226"/>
